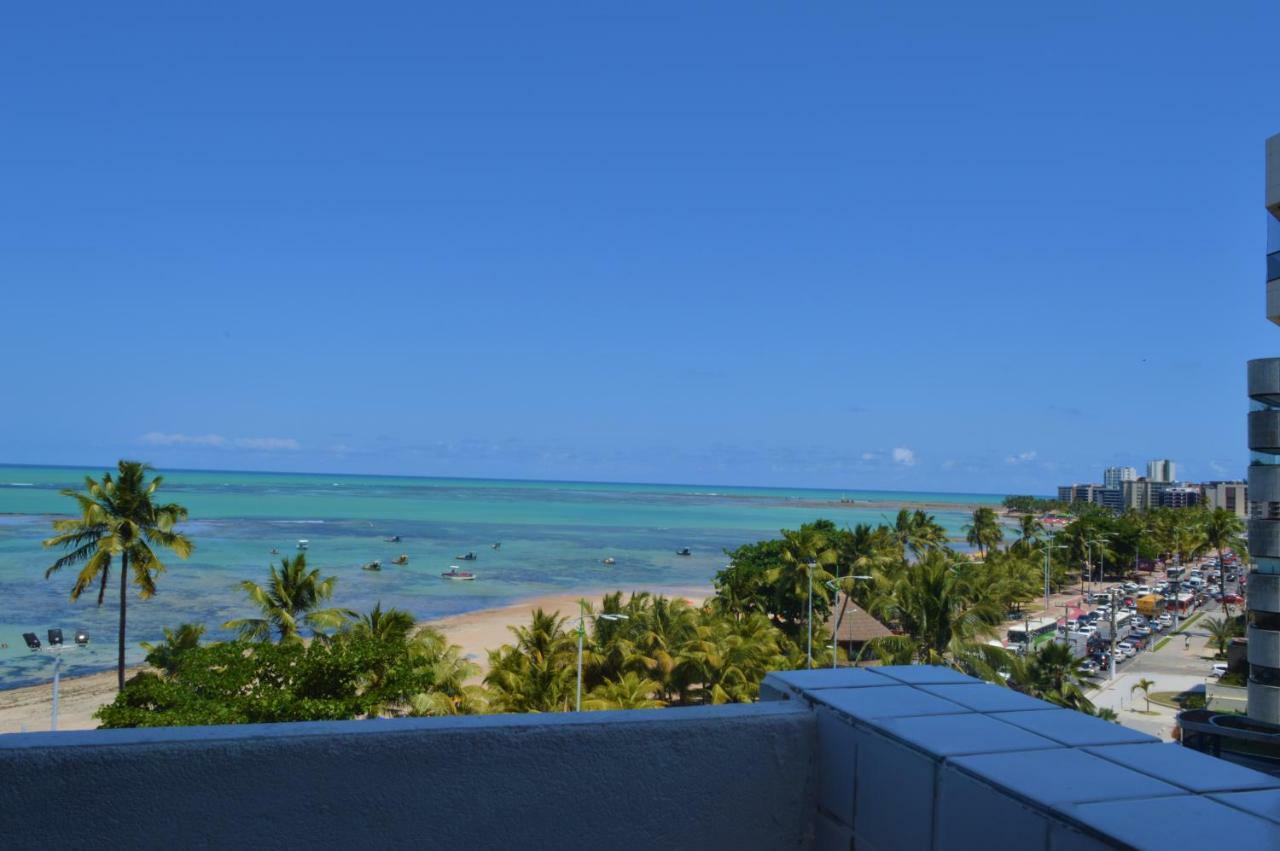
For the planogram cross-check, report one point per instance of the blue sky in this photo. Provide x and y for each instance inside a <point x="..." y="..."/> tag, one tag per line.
<point x="937" y="246"/>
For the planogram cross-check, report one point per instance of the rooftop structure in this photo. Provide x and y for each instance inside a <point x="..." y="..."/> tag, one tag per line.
<point x="1264" y="484"/>
<point x="890" y="758"/>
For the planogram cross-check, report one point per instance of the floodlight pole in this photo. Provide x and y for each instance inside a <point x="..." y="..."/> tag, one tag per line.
<point x="57" y="673"/>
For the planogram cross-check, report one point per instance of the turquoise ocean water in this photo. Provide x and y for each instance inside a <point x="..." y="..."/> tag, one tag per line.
<point x="553" y="534"/>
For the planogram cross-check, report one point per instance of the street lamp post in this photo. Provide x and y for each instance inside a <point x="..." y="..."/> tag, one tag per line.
<point x="1048" y="545"/>
<point x="813" y="565"/>
<point x="835" y="621"/>
<point x="582" y="631"/>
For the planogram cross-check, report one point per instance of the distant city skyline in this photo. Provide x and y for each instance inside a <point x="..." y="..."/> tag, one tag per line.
<point x="970" y="249"/>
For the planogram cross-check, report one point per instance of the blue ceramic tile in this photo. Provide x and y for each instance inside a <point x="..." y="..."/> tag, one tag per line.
<point x="888" y="702"/>
<point x="837" y="764"/>
<point x="1184" y="767"/>
<point x="1265" y="804"/>
<point x="895" y="795"/>
<point x="1186" y="821"/>
<point x="824" y="678"/>
<point x="1062" y="776"/>
<point x="924" y="674"/>
<point x="970" y="814"/>
<point x="1074" y="729"/>
<point x="954" y="735"/>
<point x="985" y="697"/>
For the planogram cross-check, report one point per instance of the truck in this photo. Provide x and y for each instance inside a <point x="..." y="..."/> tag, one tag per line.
<point x="1150" y="605"/>
<point x="1124" y="625"/>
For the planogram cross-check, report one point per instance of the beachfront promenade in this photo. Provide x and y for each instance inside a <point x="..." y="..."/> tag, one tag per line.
<point x="890" y="758"/>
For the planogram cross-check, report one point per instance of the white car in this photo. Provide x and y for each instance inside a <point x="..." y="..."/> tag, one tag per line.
<point x="1219" y="668"/>
<point x="1127" y="649"/>
<point x="1166" y="619"/>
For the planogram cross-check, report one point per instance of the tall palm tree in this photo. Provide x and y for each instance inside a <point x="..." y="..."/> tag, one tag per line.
<point x="1029" y="530"/>
<point x="119" y="519"/>
<point x="937" y="609"/>
<point x="915" y="532"/>
<point x="985" y="532"/>
<point x="292" y="598"/>
<point x="1222" y="530"/>
<point x="451" y="693"/>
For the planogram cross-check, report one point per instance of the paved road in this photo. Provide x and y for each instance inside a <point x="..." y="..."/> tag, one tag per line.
<point x="1176" y="667"/>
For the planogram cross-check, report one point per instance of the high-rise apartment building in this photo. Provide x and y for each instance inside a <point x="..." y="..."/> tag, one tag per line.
<point x="1233" y="496"/>
<point x="1264" y="484"/>
<point x="1113" y="476"/>
<point x="1162" y="470"/>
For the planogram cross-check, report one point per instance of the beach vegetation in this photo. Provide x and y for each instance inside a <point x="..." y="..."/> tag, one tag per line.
<point x="292" y="599"/>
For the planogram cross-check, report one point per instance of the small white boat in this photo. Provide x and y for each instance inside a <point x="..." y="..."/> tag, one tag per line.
<point x="455" y="572"/>
<point x="303" y="543"/>
<point x="610" y="560"/>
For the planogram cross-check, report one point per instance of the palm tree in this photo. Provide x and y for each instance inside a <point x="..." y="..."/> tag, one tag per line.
<point x="118" y="519"/>
<point x="630" y="691"/>
<point x="1222" y="530"/>
<point x="292" y="598"/>
<point x="985" y="532"/>
<point x="1145" y="685"/>
<point x="938" y="610"/>
<point x="176" y="642"/>
<point x="1221" y="631"/>
<point x="536" y="674"/>
<point x="391" y="626"/>
<point x="1029" y="530"/>
<point x="450" y="692"/>
<point x="915" y="532"/>
<point x="802" y="574"/>
<point x="1056" y="674"/>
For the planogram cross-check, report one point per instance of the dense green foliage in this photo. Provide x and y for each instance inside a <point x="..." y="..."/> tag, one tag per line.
<point x="1032" y="504"/>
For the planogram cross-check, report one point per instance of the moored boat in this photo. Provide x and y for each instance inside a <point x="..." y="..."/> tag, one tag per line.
<point x="684" y="551"/>
<point x="468" y="556"/>
<point x="303" y="543"/>
<point x="400" y="559"/>
<point x="373" y="565"/>
<point x="455" y="572"/>
<point x="609" y="560"/>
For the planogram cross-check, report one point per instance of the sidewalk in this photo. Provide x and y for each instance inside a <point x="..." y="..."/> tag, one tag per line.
<point x="1174" y="668"/>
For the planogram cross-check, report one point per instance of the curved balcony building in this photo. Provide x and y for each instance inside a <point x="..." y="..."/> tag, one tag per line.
<point x="1264" y="484"/>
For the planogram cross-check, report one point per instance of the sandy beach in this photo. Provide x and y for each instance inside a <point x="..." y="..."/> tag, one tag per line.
<point x="27" y="709"/>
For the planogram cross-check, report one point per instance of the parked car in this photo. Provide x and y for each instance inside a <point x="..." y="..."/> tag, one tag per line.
<point x="1219" y="668"/>
<point x="1127" y="649"/>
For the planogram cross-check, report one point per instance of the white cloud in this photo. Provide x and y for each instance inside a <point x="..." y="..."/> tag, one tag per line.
<point x="217" y="441"/>
<point x="904" y="456"/>
<point x="1021" y="457"/>
<point x="158" y="438"/>
<point x="869" y="456"/>
<point x="270" y="444"/>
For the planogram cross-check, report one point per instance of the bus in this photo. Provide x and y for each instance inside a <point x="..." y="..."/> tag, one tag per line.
<point x="1040" y="630"/>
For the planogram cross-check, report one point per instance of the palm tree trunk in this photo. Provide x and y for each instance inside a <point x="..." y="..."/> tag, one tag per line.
<point x="102" y="588"/>
<point x="124" y="597"/>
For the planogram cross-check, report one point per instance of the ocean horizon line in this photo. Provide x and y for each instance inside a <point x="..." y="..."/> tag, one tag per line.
<point x="517" y="480"/>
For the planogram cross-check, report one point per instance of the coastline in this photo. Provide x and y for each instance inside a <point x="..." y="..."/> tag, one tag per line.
<point x="26" y="708"/>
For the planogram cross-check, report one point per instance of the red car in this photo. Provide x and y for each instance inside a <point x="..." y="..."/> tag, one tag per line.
<point x="1233" y="600"/>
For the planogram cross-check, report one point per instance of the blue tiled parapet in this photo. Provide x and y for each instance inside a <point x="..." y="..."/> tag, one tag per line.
<point x="923" y="757"/>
